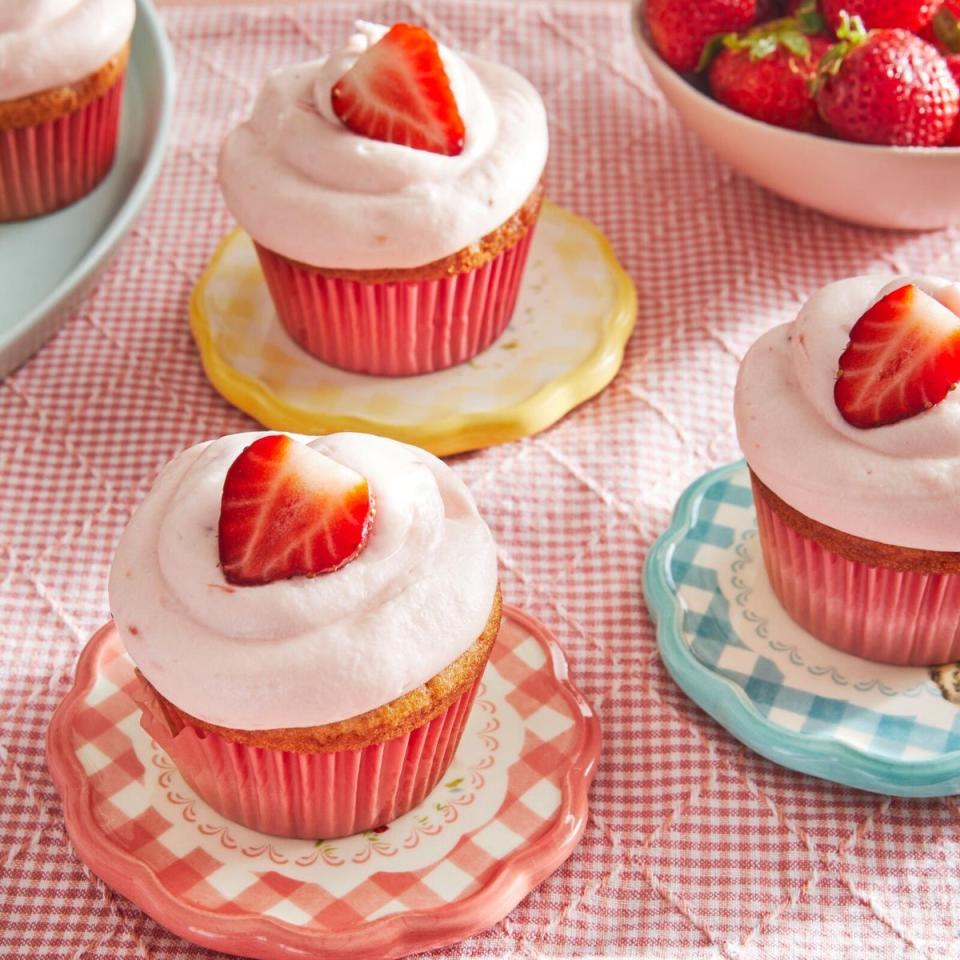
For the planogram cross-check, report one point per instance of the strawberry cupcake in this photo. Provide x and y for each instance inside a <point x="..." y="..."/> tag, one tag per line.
<point x="62" y="67"/>
<point x="310" y="619"/>
<point x="851" y="428"/>
<point x="391" y="190"/>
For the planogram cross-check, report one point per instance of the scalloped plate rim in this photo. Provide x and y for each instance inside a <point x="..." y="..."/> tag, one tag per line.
<point x="395" y="935"/>
<point x="457" y="433"/>
<point x="726" y="702"/>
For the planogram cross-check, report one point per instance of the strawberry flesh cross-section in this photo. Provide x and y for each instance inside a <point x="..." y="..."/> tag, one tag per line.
<point x="903" y="358"/>
<point x="397" y="91"/>
<point x="288" y="510"/>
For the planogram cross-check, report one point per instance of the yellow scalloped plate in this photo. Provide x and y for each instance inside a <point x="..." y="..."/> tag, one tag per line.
<point x="565" y="343"/>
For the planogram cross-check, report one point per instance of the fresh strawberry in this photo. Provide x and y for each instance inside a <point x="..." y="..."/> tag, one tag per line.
<point x="946" y="33"/>
<point x="398" y="92"/>
<point x="910" y="15"/>
<point x="287" y="510"/>
<point x="767" y="73"/>
<point x="886" y="87"/>
<point x="953" y="62"/>
<point x="681" y="28"/>
<point x="903" y="358"/>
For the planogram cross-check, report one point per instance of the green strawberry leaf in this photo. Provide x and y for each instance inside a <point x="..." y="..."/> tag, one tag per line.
<point x="712" y="48"/>
<point x="762" y="47"/>
<point x="796" y="43"/>
<point x="810" y="21"/>
<point x="829" y="66"/>
<point x="851" y="33"/>
<point x="762" y="41"/>
<point x="832" y="60"/>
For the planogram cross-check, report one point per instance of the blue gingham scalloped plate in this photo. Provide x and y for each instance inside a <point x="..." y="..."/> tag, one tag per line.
<point x="733" y="650"/>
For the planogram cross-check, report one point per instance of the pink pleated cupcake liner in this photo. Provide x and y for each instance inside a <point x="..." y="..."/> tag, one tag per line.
<point x="870" y="611"/>
<point x="396" y="329"/>
<point x="310" y="795"/>
<point x="50" y="165"/>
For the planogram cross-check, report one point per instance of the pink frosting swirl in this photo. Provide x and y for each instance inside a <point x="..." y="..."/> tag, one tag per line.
<point x="897" y="484"/>
<point x="48" y="43"/>
<point x="307" y="187"/>
<point x="307" y="650"/>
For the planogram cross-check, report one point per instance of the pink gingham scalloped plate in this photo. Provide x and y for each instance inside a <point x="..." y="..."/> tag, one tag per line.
<point x="508" y="812"/>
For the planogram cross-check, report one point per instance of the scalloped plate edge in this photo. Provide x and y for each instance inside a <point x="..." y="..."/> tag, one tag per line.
<point x="727" y="703"/>
<point x="457" y="433"/>
<point x="396" y="935"/>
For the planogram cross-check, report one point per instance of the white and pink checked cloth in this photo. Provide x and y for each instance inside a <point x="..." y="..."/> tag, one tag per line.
<point x="695" y="848"/>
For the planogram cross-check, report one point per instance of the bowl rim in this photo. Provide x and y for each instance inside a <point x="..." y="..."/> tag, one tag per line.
<point x="648" y="50"/>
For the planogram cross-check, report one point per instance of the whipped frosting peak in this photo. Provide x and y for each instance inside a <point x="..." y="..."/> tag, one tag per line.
<point x="306" y="650"/>
<point x="294" y="165"/>
<point x="897" y="484"/>
<point x="21" y="14"/>
<point x="49" y="43"/>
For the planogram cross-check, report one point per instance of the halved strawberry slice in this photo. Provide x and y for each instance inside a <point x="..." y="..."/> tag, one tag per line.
<point x="288" y="510"/>
<point x="398" y="92"/>
<point x="903" y="358"/>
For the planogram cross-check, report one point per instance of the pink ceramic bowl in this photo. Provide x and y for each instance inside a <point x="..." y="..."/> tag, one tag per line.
<point x="904" y="188"/>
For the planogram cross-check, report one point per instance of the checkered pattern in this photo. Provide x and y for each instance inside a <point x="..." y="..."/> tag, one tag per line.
<point x="572" y="318"/>
<point x="507" y="790"/>
<point x="695" y="847"/>
<point x="793" y="681"/>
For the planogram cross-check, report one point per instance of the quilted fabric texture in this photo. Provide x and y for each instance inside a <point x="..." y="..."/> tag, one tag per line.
<point x="695" y="848"/>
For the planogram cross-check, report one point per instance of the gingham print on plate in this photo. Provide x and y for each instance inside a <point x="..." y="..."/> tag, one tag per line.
<point x="565" y="342"/>
<point x="508" y="811"/>
<point x="796" y="700"/>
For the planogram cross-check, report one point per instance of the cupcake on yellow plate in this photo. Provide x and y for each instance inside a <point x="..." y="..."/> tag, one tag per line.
<point x="310" y="619"/>
<point x="62" y="67"/>
<point x="391" y="189"/>
<point x="850" y="423"/>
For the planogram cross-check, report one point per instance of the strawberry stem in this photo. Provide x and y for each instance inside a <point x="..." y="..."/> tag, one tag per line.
<point x="851" y="29"/>
<point x="850" y="34"/>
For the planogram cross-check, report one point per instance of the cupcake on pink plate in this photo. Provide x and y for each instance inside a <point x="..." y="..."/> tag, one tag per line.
<point x="391" y="190"/>
<point x="62" y="69"/>
<point x="850" y="424"/>
<point x="310" y="619"/>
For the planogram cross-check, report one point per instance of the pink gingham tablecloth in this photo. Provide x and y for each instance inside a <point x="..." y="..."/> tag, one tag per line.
<point x="695" y="847"/>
